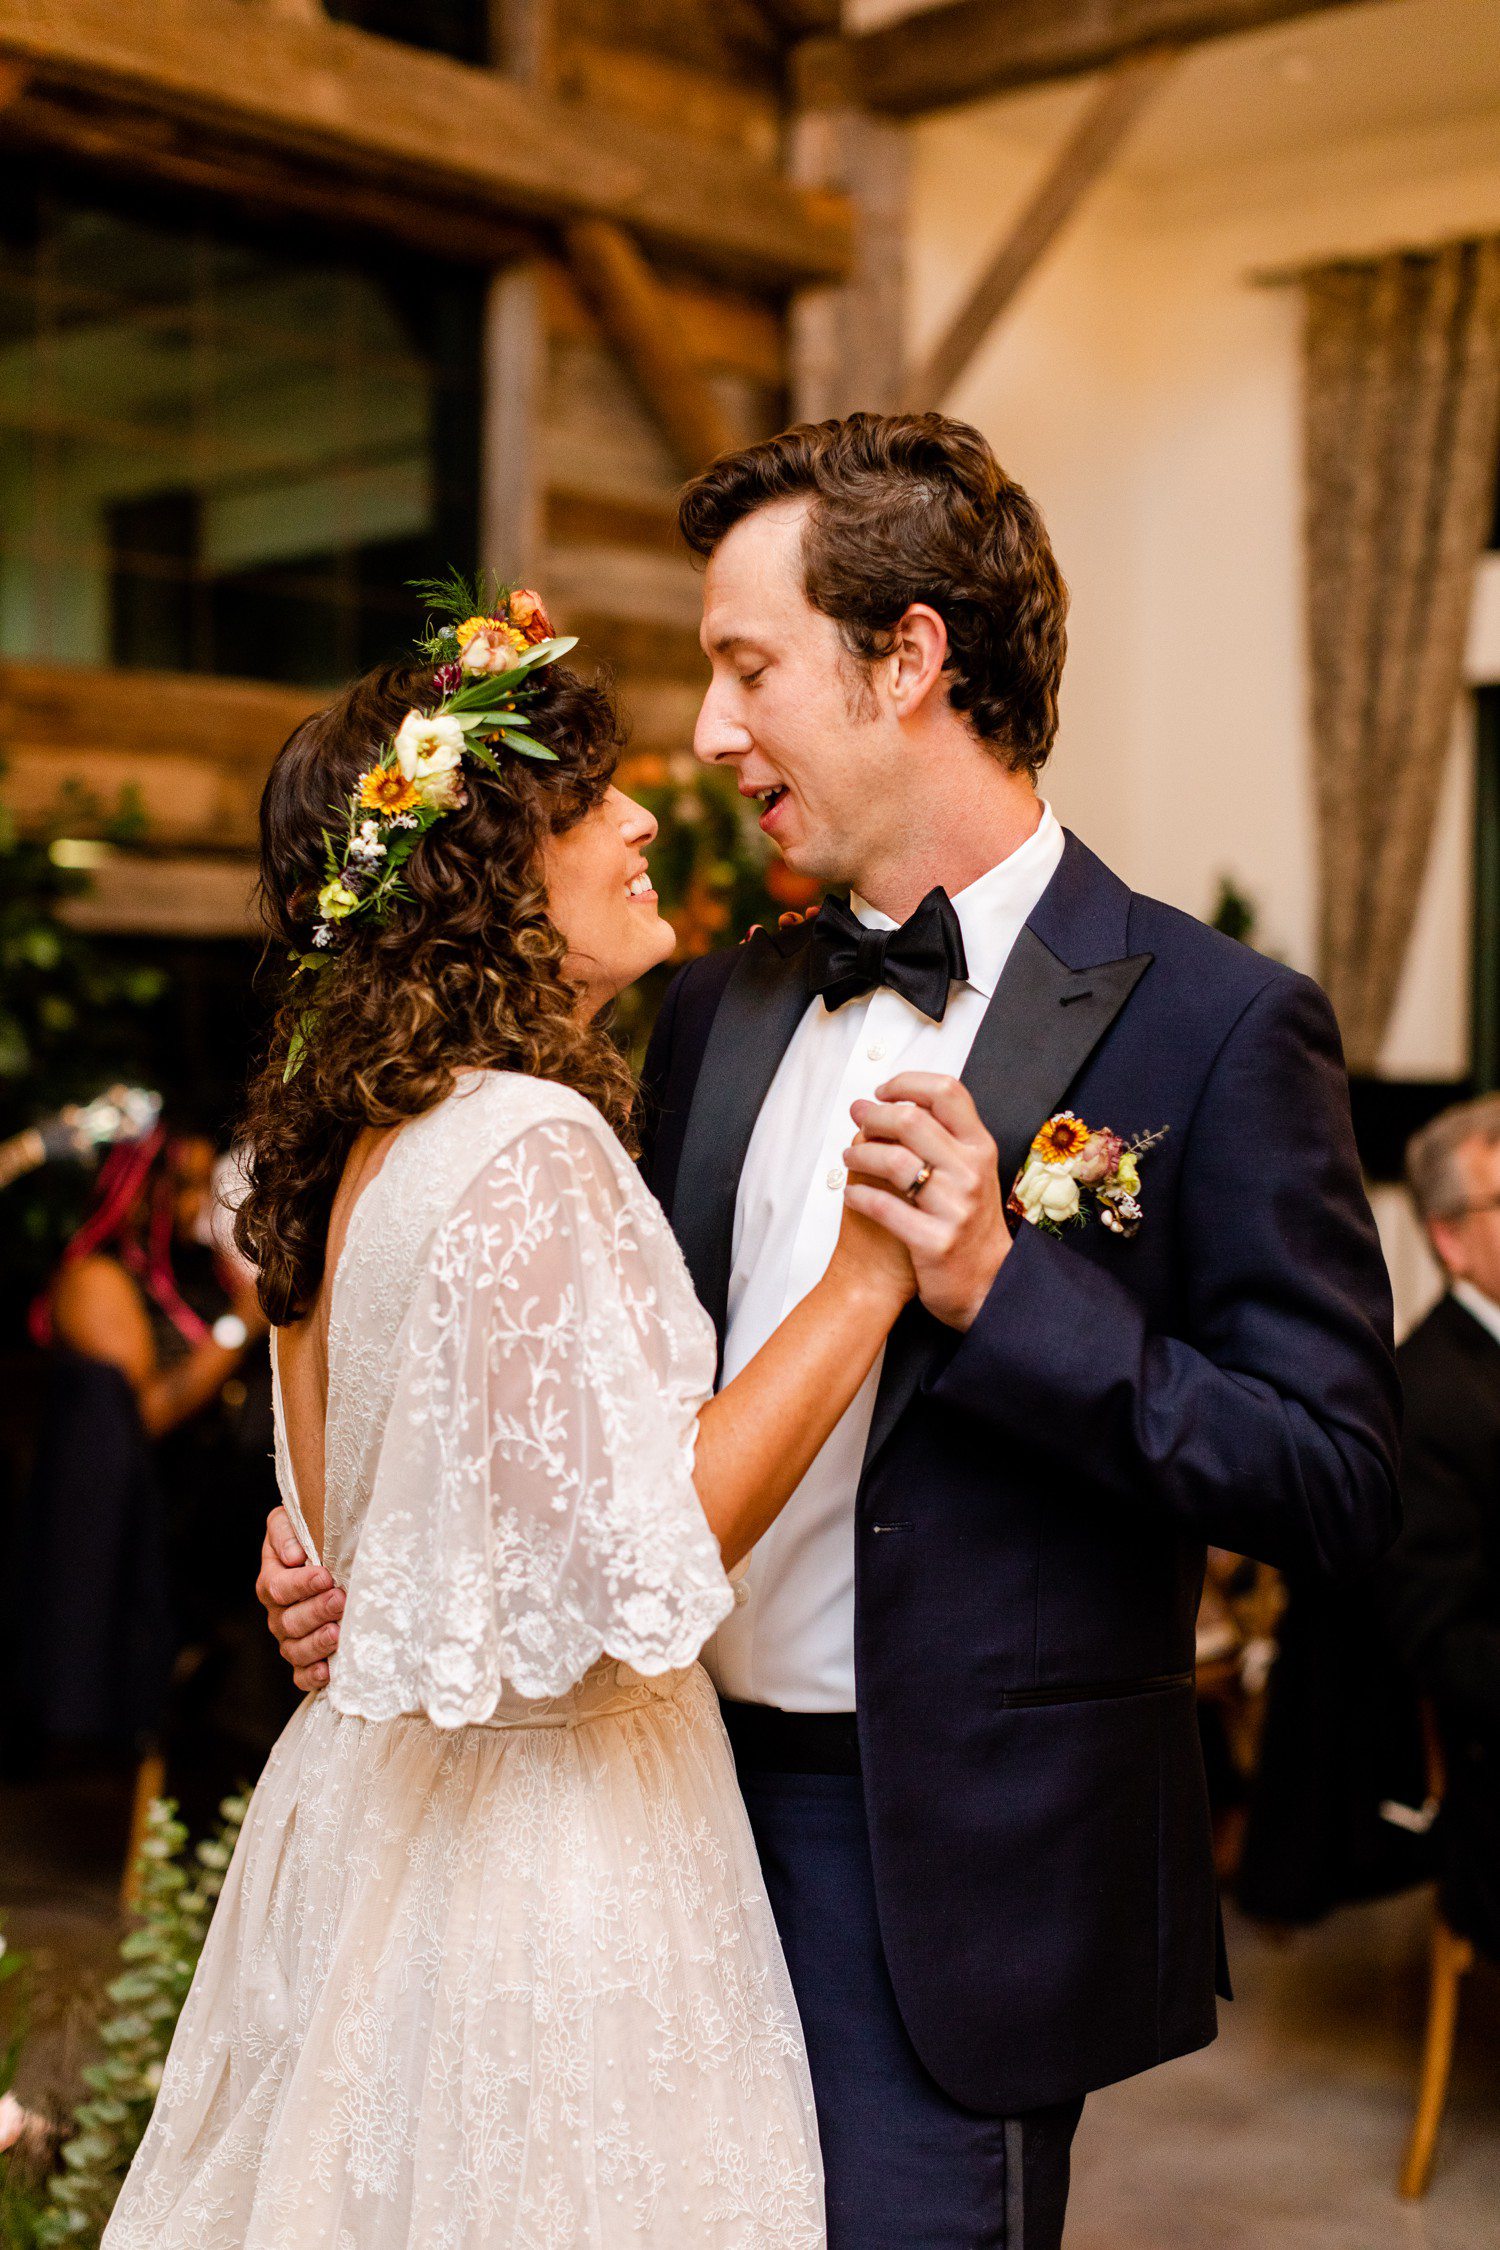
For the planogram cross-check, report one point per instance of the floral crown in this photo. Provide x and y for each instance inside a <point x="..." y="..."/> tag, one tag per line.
<point x="489" y="643"/>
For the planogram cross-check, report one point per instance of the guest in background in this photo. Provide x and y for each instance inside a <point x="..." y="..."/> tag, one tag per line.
<point x="151" y="1474"/>
<point x="145" y="1287"/>
<point x="1443" y="1578"/>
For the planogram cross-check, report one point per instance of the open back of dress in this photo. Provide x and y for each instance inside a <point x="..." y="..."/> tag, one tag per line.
<point x="493" y="1964"/>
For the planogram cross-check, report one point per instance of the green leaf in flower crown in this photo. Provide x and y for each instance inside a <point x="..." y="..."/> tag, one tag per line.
<point x="489" y="692"/>
<point x="487" y="758"/>
<point x="547" y="652"/>
<point x="528" y="748"/>
<point x="297" y="1044"/>
<point x="497" y="714"/>
<point x="457" y="597"/>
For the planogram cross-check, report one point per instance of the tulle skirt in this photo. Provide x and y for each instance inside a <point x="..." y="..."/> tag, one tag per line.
<point x="514" y="1987"/>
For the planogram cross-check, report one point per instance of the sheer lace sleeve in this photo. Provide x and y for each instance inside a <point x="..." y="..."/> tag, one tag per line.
<point x="532" y="1507"/>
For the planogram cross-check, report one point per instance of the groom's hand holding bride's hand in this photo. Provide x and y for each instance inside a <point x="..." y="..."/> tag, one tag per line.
<point x="301" y="1601"/>
<point x="924" y="1128"/>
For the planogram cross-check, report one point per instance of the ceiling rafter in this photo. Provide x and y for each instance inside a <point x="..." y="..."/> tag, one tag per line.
<point x="325" y="93"/>
<point x="964" y="49"/>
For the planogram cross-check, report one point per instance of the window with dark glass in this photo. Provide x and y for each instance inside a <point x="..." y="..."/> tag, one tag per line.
<point x="223" y="448"/>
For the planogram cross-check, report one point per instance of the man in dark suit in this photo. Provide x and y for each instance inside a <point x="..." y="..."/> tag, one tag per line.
<point x="1443" y="1576"/>
<point x="960" y="1685"/>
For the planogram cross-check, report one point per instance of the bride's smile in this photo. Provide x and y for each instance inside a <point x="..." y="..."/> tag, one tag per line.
<point x="601" y="897"/>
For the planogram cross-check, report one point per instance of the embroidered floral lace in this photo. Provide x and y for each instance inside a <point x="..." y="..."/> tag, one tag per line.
<point x="493" y="1966"/>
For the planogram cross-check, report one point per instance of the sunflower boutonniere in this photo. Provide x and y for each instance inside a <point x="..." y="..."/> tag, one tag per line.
<point x="1069" y="1162"/>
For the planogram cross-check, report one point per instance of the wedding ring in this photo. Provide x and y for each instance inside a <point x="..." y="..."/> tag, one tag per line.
<point x="911" y="1193"/>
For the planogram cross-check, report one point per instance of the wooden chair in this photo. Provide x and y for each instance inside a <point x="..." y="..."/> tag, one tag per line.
<point x="1452" y="1959"/>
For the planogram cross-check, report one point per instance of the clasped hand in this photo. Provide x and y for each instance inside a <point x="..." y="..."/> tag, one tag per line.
<point x="954" y="1233"/>
<point x="954" y="1228"/>
<point x="301" y="1601"/>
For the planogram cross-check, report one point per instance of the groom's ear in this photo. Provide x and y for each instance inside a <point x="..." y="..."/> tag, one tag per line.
<point x="919" y="650"/>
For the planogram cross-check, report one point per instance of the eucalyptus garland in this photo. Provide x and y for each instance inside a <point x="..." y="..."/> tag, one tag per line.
<point x="178" y="1889"/>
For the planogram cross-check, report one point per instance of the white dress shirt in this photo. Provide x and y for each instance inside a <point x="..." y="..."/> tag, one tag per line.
<point x="1479" y="1307"/>
<point x="791" y="1641"/>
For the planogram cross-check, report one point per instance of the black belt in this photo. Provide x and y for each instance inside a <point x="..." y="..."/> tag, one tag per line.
<point x="769" y="1741"/>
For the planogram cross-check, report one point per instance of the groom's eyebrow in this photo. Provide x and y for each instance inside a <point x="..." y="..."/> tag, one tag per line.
<point x="725" y="644"/>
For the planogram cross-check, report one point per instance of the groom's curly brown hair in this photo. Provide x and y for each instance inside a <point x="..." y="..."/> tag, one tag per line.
<point x="915" y="508"/>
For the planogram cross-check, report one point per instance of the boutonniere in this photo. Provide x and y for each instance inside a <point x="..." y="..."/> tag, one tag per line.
<point x="1068" y="1161"/>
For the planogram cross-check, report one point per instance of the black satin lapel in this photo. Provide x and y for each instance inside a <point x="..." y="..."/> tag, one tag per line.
<point x="763" y="1003"/>
<point x="1039" y="1030"/>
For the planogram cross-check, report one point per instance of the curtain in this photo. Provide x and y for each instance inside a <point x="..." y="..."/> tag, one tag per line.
<point x="1402" y="420"/>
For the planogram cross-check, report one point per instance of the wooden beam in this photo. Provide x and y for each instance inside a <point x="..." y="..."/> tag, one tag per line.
<point x="636" y="315"/>
<point x="131" y="140"/>
<point x="136" y="895"/>
<point x="197" y="749"/>
<point x="1089" y="151"/>
<point x="721" y="332"/>
<point x="965" y="48"/>
<point x="592" y="519"/>
<point x="429" y="126"/>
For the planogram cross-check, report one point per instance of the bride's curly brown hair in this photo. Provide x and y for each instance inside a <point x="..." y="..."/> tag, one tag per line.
<point x="467" y="973"/>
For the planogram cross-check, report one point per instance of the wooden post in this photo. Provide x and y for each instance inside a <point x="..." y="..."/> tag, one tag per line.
<point x="1087" y="155"/>
<point x="846" y="339"/>
<point x="513" y="477"/>
<point x="636" y="316"/>
<point x="512" y="501"/>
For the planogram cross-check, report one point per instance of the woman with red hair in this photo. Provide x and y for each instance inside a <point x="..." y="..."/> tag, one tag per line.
<point x="153" y="1443"/>
<point x="117" y="1296"/>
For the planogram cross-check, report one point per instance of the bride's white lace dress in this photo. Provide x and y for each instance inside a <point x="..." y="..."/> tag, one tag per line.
<point x="493" y="1968"/>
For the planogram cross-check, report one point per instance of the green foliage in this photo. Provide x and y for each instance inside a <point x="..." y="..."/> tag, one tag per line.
<point x="54" y="979"/>
<point x="178" y="1888"/>
<point x="21" y="2192"/>
<point x="14" y="2007"/>
<point x="455" y="597"/>
<point x="69" y="1015"/>
<point x="1234" y="913"/>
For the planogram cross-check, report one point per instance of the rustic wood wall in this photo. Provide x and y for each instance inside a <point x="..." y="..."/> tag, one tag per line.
<point x="579" y="471"/>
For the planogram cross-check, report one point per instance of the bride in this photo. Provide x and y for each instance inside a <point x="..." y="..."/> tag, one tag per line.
<point x="493" y="1968"/>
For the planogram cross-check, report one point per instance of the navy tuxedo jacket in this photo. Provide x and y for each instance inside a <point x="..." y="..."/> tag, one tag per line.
<point x="1038" y="1492"/>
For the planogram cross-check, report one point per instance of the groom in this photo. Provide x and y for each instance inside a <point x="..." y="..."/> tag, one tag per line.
<point x="960" y="1687"/>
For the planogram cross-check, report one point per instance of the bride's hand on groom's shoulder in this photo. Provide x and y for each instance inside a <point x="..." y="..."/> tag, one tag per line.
<point x="301" y="1601"/>
<point x="925" y="1167"/>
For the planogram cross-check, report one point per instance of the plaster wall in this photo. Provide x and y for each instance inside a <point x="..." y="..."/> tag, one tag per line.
<point x="1146" y="388"/>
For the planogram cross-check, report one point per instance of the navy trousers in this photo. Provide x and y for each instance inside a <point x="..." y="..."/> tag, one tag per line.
<point x="907" y="2168"/>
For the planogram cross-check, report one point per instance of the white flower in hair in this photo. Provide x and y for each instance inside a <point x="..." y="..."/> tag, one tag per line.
<point x="426" y="748"/>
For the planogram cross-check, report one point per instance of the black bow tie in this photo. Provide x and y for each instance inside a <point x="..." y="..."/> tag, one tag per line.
<point x="920" y="960"/>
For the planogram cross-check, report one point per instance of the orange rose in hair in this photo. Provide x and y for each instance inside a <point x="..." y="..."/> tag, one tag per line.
<point x="528" y="616"/>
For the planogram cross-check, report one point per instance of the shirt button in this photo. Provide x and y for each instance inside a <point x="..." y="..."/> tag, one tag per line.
<point x="876" y="1050"/>
<point x="837" y="1176"/>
